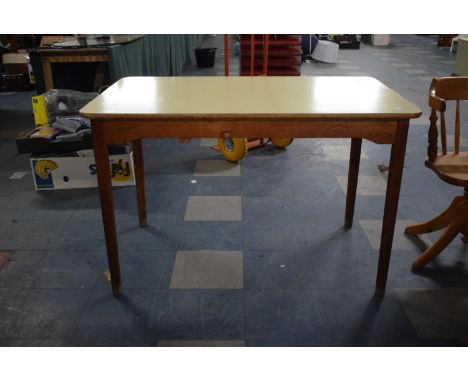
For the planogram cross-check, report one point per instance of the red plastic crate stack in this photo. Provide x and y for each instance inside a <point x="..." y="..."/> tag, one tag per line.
<point x="284" y="55"/>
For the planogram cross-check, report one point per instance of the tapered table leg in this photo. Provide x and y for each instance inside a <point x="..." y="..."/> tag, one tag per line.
<point x="140" y="180"/>
<point x="48" y="76"/>
<point x="353" y="172"/>
<point x="101" y="155"/>
<point x="397" y="159"/>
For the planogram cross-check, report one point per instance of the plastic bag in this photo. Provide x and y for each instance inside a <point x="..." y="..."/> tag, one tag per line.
<point x="61" y="102"/>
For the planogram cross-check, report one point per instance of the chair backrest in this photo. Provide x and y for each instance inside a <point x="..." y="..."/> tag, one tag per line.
<point x="445" y="89"/>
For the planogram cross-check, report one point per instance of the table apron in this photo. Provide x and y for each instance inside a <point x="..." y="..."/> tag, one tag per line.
<point x="75" y="58"/>
<point x="117" y="131"/>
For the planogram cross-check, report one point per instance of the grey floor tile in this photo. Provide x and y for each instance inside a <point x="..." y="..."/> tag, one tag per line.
<point x="401" y="65"/>
<point x="349" y="67"/>
<point x="208" y="269"/>
<point x="207" y="142"/>
<point x="69" y="269"/>
<point x="355" y="316"/>
<point x="112" y="343"/>
<point x="177" y="235"/>
<point x="28" y="255"/>
<point x="373" y="230"/>
<point x="274" y="185"/>
<point x="214" y="208"/>
<point x="201" y="315"/>
<point x="33" y="343"/>
<point x="17" y="274"/>
<point x="32" y="234"/>
<point x="78" y="235"/>
<point x="448" y="270"/>
<point x="45" y="314"/>
<point x="436" y="313"/>
<point x="141" y="268"/>
<point x="195" y="343"/>
<point x="166" y="205"/>
<point x="358" y="73"/>
<point x="415" y="71"/>
<point x="263" y="208"/>
<point x="207" y="185"/>
<point x="216" y="167"/>
<point x="339" y="270"/>
<point x="129" y="317"/>
<point x="310" y="268"/>
<point x="273" y="235"/>
<point x="367" y="185"/>
<point x="427" y="79"/>
<point x="320" y="340"/>
<point x="285" y="315"/>
<point x="340" y="153"/>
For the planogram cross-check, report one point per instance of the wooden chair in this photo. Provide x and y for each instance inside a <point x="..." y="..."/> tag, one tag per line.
<point x="451" y="167"/>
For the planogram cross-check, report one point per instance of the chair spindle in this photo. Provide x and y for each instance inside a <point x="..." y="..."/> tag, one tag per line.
<point x="432" y="137"/>
<point x="443" y="134"/>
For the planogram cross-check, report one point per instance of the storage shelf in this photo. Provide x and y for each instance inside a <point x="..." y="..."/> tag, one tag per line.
<point x="284" y="55"/>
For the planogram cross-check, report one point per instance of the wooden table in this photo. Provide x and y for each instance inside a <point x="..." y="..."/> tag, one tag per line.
<point x="202" y="107"/>
<point x="70" y="51"/>
<point x="49" y="56"/>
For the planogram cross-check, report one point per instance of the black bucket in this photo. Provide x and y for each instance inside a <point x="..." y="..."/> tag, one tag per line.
<point x="205" y="57"/>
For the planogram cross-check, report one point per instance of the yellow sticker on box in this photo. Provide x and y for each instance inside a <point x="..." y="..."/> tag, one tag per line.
<point x="39" y="109"/>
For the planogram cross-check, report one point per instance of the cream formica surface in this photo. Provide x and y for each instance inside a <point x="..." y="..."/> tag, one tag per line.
<point x="213" y="97"/>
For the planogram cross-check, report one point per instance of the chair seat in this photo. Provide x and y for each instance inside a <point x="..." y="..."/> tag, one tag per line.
<point x="452" y="168"/>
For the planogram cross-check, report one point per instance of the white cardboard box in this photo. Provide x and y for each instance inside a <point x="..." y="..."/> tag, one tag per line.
<point x="53" y="173"/>
<point x="380" y="39"/>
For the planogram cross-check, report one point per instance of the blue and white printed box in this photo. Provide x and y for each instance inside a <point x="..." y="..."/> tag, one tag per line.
<point x="62" y="172"/>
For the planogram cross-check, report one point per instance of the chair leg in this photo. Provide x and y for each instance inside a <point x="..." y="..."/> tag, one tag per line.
<point x="440" y="221"/>
<point x="464" y="231"/>
<point x="439" y="245"/>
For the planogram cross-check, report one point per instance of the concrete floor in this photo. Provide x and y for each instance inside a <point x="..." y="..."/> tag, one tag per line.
<point x="252" y="254"/>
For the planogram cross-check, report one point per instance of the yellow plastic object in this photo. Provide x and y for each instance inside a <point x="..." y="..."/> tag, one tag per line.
<point x="40" y="111"/>
<point x="281" y="143"/>
<point x="107" y="276"/>
<point x="233" y="149"/>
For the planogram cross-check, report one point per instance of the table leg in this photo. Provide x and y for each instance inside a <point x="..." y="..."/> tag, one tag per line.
<point x="353" y="172"/>
<point x="99" y="78"/>
<point x="140" y="180"/>
<point x="101" y="155"/>
<point x="47" y="73"/>
<point x="397" y="159"/>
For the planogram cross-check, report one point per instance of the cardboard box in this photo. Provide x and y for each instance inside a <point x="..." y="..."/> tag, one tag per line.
<point x="461" y="62"/>
<point x="15" y="63"/>
<point x="65" y="172"/>
<point x="39" y="110"/>
<point x="40" y="146"/>
<point x="380" y="39"/>
<point x="49" y="40"/>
